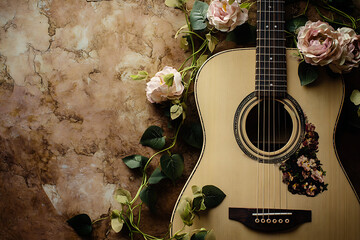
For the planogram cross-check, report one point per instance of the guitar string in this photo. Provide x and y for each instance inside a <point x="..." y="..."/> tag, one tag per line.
<point x="275" y="57"/>
<point x="260" y="49"/>
<point x="268" y="103"/>
<point x="264" y="108"/>
<point x="263" y="142"/>
<point x="279" y="8"/>
<point x="258" y="127"/>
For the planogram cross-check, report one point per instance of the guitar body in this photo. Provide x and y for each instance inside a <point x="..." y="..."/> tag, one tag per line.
<point x="222" y="84"/>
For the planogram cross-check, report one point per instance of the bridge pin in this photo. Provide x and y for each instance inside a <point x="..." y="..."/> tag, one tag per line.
<point x="257" y="220"/>
<point x="262" y="220"/>
<point x="280" y="221"/>
<point x="287" y="220"/>
<point x="274" y="220"/>
<point x="268" y="220"/>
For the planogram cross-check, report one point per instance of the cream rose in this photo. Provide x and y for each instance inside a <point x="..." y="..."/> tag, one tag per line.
<point x="350" y="57"/>
<point x="226" y="17"/>
<point x="165" y="85"/>
<point x="319" y="43"/>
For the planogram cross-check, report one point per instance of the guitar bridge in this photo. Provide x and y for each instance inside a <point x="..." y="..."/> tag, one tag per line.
<point x="270" y="220"/>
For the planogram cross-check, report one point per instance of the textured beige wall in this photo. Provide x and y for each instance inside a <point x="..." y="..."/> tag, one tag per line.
<point x="69" y="111"/>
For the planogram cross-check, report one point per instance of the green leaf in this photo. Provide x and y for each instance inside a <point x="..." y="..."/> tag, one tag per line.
<point x="157" y="176"/>
<point x="210" y="235"/>
<point x="243" y="34"/>
<point x="197" y="191"/>
<point x="142" y="75"/>
<point x="176" y="111"/>
<point x="213" y="196"/>
<point x="180" y="30"/>
<point x="116" y="221"/>
<point x="199" y="236"/>
<point x="173" y="3"/>
<point x="231" y="2"/>
<point x="246" y="5"/>
<point x="184" y="44"/>
<point x="122" y="196"/>
<point x="182" y="236"/>
<point x="192" y="134"/>
<point x="172" y="166"/>
<point x="212" y="41"/>
<point x="199" y="204"/>
<point x="81" y="224"/>
<point x="307" y="73"/>
<point x="201" y="60"/>
<point x="185" y="211"/>
<point x="355" y="97"/>
<point x="149" y="196"/>
<point x="295" y="23"/>
<point x="115" y="213"/>
<point x="198" y="15"/>
<point x="153" y="137"/>
<point x="135" y="161"/>
<point x="169" y="79"/>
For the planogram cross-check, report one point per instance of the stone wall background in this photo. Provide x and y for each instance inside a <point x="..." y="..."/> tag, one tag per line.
<point x="69" y="110"/>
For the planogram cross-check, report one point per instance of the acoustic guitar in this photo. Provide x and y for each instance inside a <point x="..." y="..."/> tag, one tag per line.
<point x="256" y="118"/>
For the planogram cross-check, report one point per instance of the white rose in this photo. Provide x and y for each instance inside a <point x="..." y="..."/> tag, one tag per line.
<point x="226" y="17"/>
<point x="165" y="85"/>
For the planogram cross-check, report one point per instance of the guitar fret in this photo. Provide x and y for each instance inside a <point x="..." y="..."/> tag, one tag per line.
<point x="270" y="11"/>
<point x="276" y="54"/>
<point x="267" y="89"/>
<point x="277" y="75"/>
<point x="271" y="76"/>
<point x="283" y="47"/>
<point x="270" y="30"/>
<point x="269" y="38"/>
<point x="271" y="21"/>
<point x="274" y="69"/>
<point x="264" y="1"/>
<point x="270" y="85"/>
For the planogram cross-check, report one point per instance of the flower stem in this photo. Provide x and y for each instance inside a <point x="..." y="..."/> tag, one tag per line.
<point x="194" y="33"/>
<point x="330" y="20"/>
<point x="100" y="219"/>
<point x="306" y="8"/>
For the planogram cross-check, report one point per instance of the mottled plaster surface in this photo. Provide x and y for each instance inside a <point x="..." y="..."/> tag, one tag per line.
<point x="69" y="111"/>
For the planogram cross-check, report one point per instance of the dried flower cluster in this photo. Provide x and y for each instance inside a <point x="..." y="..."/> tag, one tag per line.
<point x="302" y="172"/>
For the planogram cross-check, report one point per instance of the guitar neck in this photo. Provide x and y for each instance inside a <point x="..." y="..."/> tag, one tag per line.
<point x="271" y="80"/>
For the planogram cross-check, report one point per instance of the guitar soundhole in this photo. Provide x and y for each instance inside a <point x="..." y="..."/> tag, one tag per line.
<point x="269" y="125"/>
<point x="269" y="130"/>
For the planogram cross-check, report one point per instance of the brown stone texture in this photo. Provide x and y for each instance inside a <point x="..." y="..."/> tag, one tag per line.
<point x="69" y="111"/>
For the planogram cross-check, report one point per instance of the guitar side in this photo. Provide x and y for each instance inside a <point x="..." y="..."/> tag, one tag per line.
<point x="223" y="82"/>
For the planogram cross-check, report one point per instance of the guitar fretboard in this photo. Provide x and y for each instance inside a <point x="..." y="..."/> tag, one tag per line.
<point x="270" y="49"/>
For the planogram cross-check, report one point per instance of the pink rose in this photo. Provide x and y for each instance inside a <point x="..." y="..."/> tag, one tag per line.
<point x="350" y="57"/>
<point x="226" y="17"/>
<point x="165" y="85"/>
<point x="319" y="43"/>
